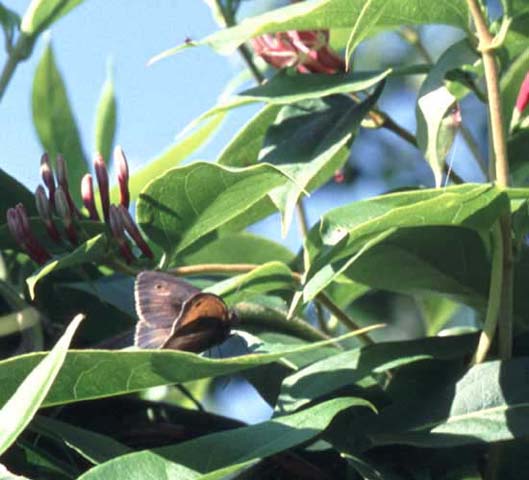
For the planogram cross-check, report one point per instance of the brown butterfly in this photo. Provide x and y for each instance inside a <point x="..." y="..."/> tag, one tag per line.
<point x="174" y="314"/>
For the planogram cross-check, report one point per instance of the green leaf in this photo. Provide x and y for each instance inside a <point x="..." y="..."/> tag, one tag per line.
<point x="13" y="192"/>
<point x="310" y="141"/>
<point x="42" y="13"/>
<point x="286" y="88"/>
<point x="436" y="311"/>
<point x="19" y="409"/>
<point x="332" y="14"/>
<point x="344" y="234"/>
<point x="172" y="157"/>
<point x="105" y="122"/>
<point x="96" y="448"/>
<point x="266" y="278"/>
<point x="448" y="260"/>
<point x="243" y="149"/>
<point x="349" y="367"/>
<point x="219" y="454"/>
<point x="91" y="374"/>
<point x="187" y="203"/>
<point x="366" y="21"/>
<point x="434" y="104"/>
<point x="488" y="404"/>
<point x="90" y="251"/>
<point x="54" y="120"/>
<point x="240" y="247"/>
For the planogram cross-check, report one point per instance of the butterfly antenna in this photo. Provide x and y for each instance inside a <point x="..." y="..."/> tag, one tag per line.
<point x="186" y="393"/>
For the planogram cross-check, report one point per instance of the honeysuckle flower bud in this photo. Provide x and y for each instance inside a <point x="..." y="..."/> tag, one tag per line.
<point x="521" y="102"/>
<point x="120" y="160"/>
<point x="26" y="239"/>
<point x="102" y="182"/>
<point x="118" y="232"/>
<point x="14" y="226"/>
<point x="47" y="177"/>
<point x="63" y="210"/>
<point x="87" y="192"/>
<point x="44" y="209"/>
<point x="62" y="180"/>
<point x="134" y="232"/>
<point x="523" y="95"/>
<point x="308" y="51"/>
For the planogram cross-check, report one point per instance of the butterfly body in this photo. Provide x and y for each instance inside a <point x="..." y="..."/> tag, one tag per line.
<point x="176" y="315"/>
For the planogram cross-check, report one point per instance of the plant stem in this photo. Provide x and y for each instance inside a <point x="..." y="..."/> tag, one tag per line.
<point x="500" y="170"/>
<point x="7" y="73"/>
<point x="486" y="47"/>
<point x="253" y="314"/>
<point x="17" y="53"/>
<point x="495" y="291"/>
<point x="321" y="298"/>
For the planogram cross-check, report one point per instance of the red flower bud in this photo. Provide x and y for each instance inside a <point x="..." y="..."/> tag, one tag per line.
<point x="134" y="232"/>
<point x="123" y="176"/>
<point x="118" y="232"/>
<point x="523" y="95"/>
<point x="87" y="192"/>
<point x="26" y="239"/>
<point x="102" y="181"/>
<point x="44" y="209"/>
<point x="62" y="180"/>
<point x="63" y="210"/>
<point x="15" y="228"/>
<point x="47" y="177"/>
<point x="339" y="176"/>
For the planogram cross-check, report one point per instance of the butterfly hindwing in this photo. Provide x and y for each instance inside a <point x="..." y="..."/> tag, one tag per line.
<point x="174" y="314"/>
<point x="159" y="300"/>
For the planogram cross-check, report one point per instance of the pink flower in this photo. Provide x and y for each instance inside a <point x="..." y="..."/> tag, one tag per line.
<point x="308" y="51"/>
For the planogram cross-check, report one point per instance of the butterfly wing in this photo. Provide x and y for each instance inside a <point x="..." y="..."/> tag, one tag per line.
<point x="159" y="300"/>
<point x="204" y="322"/>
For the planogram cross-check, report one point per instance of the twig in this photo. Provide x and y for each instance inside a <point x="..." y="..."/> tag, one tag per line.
<point x="500" y="169"/>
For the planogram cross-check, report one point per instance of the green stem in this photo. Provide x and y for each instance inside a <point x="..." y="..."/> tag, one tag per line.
<point x="7" y="73"/>
<point x="494" y="302"/>
<point x="18" y="53"/>
<point x="253" y="314"/>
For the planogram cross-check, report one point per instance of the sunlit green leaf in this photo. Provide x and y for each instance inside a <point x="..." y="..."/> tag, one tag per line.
<point x="21" y="403"/>
<point x="40" y="14"/>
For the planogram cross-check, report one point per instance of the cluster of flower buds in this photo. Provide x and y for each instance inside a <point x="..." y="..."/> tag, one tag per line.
<point x="307" y="51"/>
<point x="521" y="102"/>
<point x="57" y="201"/>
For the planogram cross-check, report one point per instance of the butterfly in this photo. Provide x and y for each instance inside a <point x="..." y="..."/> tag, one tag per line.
<point x="176" y="315"/>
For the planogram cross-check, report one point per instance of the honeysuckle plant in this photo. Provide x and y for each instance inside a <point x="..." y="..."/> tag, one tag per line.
<point x="389" y="343"/>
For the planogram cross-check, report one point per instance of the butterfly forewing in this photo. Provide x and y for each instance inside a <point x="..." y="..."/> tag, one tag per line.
<point x="203" y="323"/>
<point x="159" y="300"/>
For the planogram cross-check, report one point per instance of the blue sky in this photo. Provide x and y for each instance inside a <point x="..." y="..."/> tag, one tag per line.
<point x="154" y="102"/>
